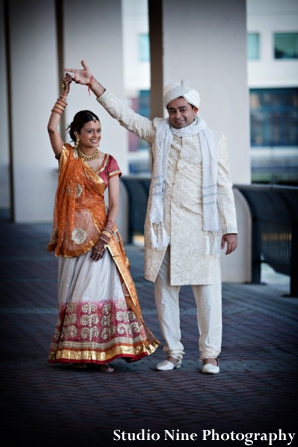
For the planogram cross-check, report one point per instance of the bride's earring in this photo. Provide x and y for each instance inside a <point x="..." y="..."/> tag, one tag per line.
<point x="77" y="142"/>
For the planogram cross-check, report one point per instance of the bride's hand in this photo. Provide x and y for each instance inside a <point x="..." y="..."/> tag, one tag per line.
<point x="98" y="251"/>
<point x="80" y="76"/>
<point x="66" y="81"/>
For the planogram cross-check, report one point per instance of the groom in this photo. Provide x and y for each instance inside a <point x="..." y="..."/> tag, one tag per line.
<point x="190" y="215"/>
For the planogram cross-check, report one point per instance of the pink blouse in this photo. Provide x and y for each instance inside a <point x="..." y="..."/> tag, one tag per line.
<point x="109" y="169"/>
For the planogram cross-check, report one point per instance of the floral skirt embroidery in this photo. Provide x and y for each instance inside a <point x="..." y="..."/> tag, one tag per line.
<point x="94" y="325"/>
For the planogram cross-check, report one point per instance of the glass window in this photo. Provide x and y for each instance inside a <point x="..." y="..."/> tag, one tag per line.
<point x="274" y="117"/>
<point x="286" y="46"/>
<point x="253" y="46"/>
<point x="144" y="48"/>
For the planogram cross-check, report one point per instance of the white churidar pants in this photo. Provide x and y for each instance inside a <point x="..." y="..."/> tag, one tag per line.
<point x="209" y="312"/>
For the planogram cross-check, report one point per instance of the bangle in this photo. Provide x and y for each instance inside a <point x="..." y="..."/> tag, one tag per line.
<point x="56" y="110"/>
<point x="104" y="237"/>
<point x="59" y="106"/>
<point x="90" y="83"/>
<point x="107" y="230"/>
<point x="60" y="100"/>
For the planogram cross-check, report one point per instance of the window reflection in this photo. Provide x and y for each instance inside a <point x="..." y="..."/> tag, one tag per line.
<point x="286" y="46"/>
<point x="252" y="46"/>
<point x="274" y="117"/>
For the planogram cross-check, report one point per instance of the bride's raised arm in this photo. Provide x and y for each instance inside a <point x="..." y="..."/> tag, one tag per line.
<point x="57" y="110"/>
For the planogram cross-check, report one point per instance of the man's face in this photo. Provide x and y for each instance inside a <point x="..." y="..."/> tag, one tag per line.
<point x="181" y="114"/>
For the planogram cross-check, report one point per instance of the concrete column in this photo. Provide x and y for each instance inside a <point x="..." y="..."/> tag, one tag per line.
<point x="93" y="32"/>
<point x="205" y="42"/>
<point x="33" y="90"/>
<point x="4" y="110"/>
<point x="156" y="57"/>
<point x="236" y="267"/>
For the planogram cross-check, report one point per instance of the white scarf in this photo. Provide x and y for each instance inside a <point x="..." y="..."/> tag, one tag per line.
<point x="164" y="137"/>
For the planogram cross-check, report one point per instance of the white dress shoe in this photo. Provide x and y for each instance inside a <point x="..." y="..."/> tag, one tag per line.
<point x="167" y="366"/>
<point x="208" y="368"/>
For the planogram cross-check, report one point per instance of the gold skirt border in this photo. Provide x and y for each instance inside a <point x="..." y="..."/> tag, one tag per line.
<point x="129" y="353"/>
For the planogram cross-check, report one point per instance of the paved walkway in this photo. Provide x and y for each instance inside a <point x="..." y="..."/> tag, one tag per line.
<point x="256" y="391"/>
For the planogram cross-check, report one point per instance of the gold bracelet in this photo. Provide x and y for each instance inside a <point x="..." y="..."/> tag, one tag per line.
<point x="107" y="232"/>
<point x="60" y="100"/>
<point x="59" y="106"/>
<point x="104" y="237"/>
<point x="56" y="110"/>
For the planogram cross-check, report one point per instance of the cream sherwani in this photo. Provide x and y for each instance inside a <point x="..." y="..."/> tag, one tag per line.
<point x="187" y="259"/>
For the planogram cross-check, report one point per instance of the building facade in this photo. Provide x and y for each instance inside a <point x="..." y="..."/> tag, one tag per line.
<point x="272" y="64"/>
<point x="272" y="40"/>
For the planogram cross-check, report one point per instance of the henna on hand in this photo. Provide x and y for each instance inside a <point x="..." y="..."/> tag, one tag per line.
<point x="98" y="251"/>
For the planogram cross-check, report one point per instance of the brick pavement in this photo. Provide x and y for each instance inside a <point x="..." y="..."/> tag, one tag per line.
<point x="256" y="390"/>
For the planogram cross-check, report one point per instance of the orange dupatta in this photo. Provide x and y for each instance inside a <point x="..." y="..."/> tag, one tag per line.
<point x="79" y="213"/>
<point x="116" y="249"/>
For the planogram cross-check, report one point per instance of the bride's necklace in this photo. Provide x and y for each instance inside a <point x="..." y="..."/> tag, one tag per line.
<point x="88" y="157"/>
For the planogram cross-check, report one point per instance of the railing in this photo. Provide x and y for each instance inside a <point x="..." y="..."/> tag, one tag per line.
<point x="138" y="192"/>
<point x="274" y="211"/>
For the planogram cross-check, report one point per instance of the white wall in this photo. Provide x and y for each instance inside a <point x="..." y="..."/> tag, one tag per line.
<point x="205" y="42"/>
<point x="236" y="267"/>
<point x="267" y="17"/>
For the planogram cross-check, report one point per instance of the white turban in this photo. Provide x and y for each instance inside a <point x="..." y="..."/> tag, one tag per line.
<point x="175" y="90"/>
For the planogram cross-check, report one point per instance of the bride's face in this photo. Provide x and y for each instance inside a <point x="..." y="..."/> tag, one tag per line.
<point x="90" y="135"/>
